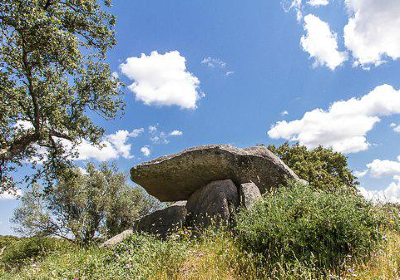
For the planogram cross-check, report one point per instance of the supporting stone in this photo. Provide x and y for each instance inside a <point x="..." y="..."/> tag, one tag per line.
<point x="249" y="194"/>
<point x="163" y="222"/>
<point x="215" y="202"/>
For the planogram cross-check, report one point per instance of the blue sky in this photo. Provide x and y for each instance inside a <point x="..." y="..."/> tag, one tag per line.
<point x="229" y="72"/>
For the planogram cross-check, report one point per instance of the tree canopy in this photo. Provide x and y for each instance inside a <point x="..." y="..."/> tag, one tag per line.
<point x="52" y="74"/>
<point x="97" y="203"/>
<point x="322" y="168"/>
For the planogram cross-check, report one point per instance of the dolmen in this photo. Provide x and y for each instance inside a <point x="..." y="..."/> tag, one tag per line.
<point x="207" y="184"/>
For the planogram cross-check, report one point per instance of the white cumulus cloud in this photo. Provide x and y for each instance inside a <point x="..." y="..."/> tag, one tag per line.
<point x="145" y="151"/>
<point x="112" y="147"/>
<point x="119" y="139"/>
<point x="295" y="5"/>
<point x="321" y="43"/>
<point x="360" y="174"/>
<point x="176" y="133"/>
<point x="372" y="33"/>
<point x="395" y="127"/>
<point x="379" y="168"/>
<point x="390" y="194"/>
<point x="162" y="79"/>
<point x="152" y="129"/>
<point x="10" y="195"/>
<point x="136" y="132"/>
<point x="83" y="171"/>
<point x="162" y="137"/>
<point x="345" y="125"/>
<point x="23" y="125"/>
<point x="318" y="2"/>
<point x="87" y="151"/>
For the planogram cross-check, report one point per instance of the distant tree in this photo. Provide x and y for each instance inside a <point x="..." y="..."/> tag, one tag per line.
<point x="322" y="168"/>
<point x="82" y="207"/>
<point x="52" y="74"/>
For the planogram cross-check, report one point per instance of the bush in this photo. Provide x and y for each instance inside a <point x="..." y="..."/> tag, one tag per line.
<point x="301" y="224"/>
<point x="31" y="249"/>
<point x="7" y="240"/>
<point x="391" y="213"/>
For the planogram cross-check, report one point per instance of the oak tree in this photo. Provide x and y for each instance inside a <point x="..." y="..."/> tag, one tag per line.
<point x="53" y="78"/>
<point x="321" y="167"/>
<point x="97" y="203"/>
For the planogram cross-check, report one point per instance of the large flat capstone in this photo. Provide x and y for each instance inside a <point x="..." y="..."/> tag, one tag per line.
<point x="176" y="177"/>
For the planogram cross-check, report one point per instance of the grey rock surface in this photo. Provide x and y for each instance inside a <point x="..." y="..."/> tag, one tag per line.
<point x="117" y="239"/>
<point x="249" y="193"/>
<point x="176" y="177"/>
<point x="164" y="221"/>
<point x="214" y="202"/>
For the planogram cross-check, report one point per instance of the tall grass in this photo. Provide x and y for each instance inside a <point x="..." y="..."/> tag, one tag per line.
<point x="215" y="255"/>
<point x="18" y="252"/>
<point x="383" y="265"/>
<point x="295" y="233"/>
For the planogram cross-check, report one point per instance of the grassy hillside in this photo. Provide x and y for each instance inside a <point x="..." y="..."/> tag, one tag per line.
<point x="293" y="233"/>
<point x="214" y="256"/>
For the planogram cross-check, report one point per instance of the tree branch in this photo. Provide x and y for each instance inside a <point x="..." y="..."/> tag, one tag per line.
<point x="32" y="93"/>
<point x="47" y="5"/>
<point x="61" y="135"/>
<point x="18" y="146"/>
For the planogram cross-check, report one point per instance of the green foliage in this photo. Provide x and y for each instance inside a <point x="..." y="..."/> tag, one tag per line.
<point x="86" y="206"/>
<point x="214" y="255"/>
<point x="139" y="257"/>
<point x="322" y="168"/>
<point x="391" y="214"/>
<point x="142" y="255"/>
<point x="300" y="224"/>
<point x="26" y="250"/>
<point x="52" y="73"/>
<point x="6" y="240"/>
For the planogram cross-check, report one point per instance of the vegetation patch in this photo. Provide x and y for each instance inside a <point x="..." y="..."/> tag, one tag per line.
<point x="24" y="251"/>
<point x="299" y="224"/>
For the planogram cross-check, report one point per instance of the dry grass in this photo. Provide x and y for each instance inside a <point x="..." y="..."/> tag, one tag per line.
<point x="383" y="265"/>
<point x="214" y="257"/>
<point x="211" y="262"/>
<point x="200" y="266"/>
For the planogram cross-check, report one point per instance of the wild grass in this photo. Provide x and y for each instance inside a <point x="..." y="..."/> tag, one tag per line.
<point x="213" y="256"/>
<point x="384" y="264"/>
<point x="290" y="234"/>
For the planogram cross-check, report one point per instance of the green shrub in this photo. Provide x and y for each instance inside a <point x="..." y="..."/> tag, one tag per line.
<point x="301" y="224"/>
<point x="391" y="213"/>
<point x="31" y="249"/>
<point x="7" y="240"/>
